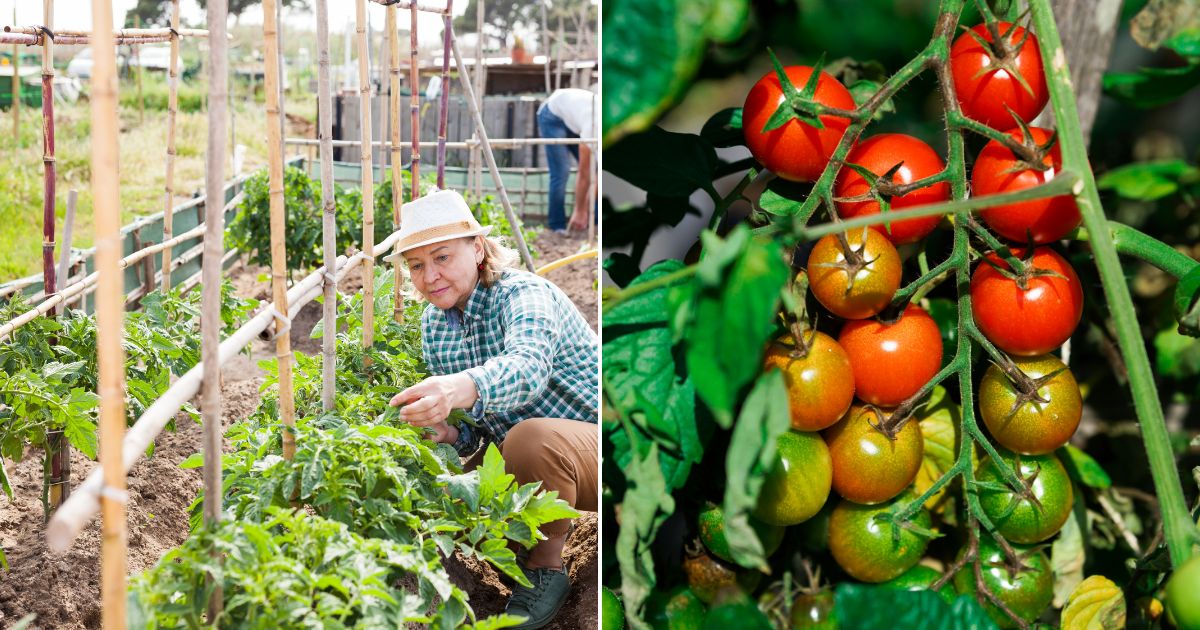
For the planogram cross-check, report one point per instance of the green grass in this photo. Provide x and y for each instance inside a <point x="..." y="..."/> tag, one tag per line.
<point x="142" y="167"/>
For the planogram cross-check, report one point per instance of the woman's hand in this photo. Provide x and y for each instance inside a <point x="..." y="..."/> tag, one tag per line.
<point x="443" y="432"/>
<point x="429" y="402"/>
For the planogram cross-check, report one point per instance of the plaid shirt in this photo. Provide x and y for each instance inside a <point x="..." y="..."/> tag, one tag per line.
<point x="528" y="349"/>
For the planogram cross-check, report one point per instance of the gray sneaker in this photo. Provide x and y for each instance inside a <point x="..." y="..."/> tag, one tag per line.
<point x="539" y="604"/>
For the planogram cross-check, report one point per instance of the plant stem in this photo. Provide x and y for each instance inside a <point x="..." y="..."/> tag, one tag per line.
<point x="1178" y="527"/>
<point x="1144" y="247"/>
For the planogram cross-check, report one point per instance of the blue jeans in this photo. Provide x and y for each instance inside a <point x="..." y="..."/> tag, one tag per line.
<point x="557" y="158"/>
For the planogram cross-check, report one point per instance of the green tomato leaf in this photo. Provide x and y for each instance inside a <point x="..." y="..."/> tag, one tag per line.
<point x="1176" y="356"/>
<point x="81" y="433"/>
<point x="1151" y="87"/>
<point x="873" y="607"/>
<point x="1067" y="555"/>
<point x="724" y="128"/>
<point x="1083" y="468"/>
<point x="782" y="197"/>
<point x="646" y="506"/>
<point x="940" y="420"/>
<point x="1173" y="23"/>
<point x="1148" y="181"/>
<point x="663" y="162"/>
<point x="764" y="416"/>
<point x="195" y="460"/>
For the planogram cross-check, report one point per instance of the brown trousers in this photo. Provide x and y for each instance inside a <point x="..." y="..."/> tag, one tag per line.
<point x="562" y="454"/>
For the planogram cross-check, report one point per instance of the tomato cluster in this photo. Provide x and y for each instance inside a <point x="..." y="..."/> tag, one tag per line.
<point x="852" y="395"/>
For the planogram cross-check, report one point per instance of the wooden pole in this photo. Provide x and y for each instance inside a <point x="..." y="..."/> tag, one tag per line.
<point x="328" y="225"/>
<point x="16" y="87"/>
<point x="110" y="312"/>
<point x="282" y="77"/>
<point x="172" y="113"/>
<point x="558" y="56"/>
<point x="279" y="270"/>
<point x="414" y="103"/>
<point x="545" y="47"/>
<point x="137" y="56"/>
<point x="368" y="185"/>
<point x="64" y="258"/>
<point x="393" y="37"/>
<point x="444" y="108"/>
<point x="465" y="78"/>
<point x="475" y="167"/>
<point x="210" y="310"/>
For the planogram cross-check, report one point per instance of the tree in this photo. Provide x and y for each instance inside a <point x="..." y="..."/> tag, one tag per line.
<point x="502" y="17"/>
<point x="153" y="13"/>
<point x="238" y="7"/>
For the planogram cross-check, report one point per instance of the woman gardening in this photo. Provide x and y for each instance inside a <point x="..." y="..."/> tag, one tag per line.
<point x="511" y="348"/>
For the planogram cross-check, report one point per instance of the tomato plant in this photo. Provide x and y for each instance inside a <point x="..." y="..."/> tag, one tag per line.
<point x="872" y="463"/>
<point x="993" y="75"/>
<point x="1037" y="509"/>
<point x="999" y="170"/>
<point x="855" y="274"/>
<point x="896" y="161"/>
<point x="819" y="379"/>
<point x="892" y="360"/>
<point x="796" y="149"/>
<point x="1031" y="312"/>
<point x="1036" y="410"/>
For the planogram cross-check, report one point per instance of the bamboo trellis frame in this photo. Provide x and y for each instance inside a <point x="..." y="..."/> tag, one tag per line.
<point x="328" y="232"/>
<point x="172" y="112"/>
<point x="393" y="38"/>
<point x="414" y="103"/>
<point x="443" y="112"/>
<point x="368" y="180"/>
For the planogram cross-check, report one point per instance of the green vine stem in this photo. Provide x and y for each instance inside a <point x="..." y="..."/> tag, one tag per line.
<point x="1144" y="247"/>
<point x="1178" y="528"/>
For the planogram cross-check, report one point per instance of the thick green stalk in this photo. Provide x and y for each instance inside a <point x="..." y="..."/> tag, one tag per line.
<point x="1177" y="524"/>
<point x="1144" y="247"/>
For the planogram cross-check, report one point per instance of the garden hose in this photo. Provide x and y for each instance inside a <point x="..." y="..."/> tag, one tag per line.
<point x="564" y="261"/>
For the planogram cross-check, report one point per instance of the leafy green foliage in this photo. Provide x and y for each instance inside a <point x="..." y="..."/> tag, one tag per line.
<point x="869" y="606"/>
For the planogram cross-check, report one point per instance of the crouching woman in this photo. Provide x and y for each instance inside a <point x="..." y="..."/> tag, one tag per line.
<point x="512" y="349"/>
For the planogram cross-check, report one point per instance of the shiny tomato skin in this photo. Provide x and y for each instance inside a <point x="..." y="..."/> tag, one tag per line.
<point x="874" y="284"/>
<point x="996" y="171"/>
<point x="892" y="361"/>
<point x="1035" y="427"/>
<point x="868" y="467"/>
<point x="796" y="151"/>
<point x="711" y="524"/>
<point x="879" y="154"/>
<point x="863" y="546"/>
<point x="1028" y="522"/>
<point x="983" y="95"/>
<point x="820" y="384"/>
<point x="1030" y="321"/>
<point x="1026" y="593"/>
<point x="798" y="483"/>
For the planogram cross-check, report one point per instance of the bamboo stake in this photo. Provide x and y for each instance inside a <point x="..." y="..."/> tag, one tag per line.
<point x="210" y="313"/>
<point x="110" y="311"/>
<point x="558" y="56"/>
<point x="465" y="78"/>
<point x="58" y="449"/>
<point x="545" y="47"/>
<point x="64" y="259"/>
<point x="414" y="104"/>
<point x="393" y="37"/>
<point x="282" y="76"/>
<point x="329" y="234"/>
<point x="368" y="184"/>
<point x="328" y="229"/>
<point x="279" y="271"/>
<point x="444" y="111"/>
<point x="137" y="57"/>
<point x="172" y="113"/>
<point x="475" y="166"/>
<point x="16" y="88"/>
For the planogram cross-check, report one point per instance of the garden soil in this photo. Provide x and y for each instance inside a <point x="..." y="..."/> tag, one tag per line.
<point x="63" y="591"/>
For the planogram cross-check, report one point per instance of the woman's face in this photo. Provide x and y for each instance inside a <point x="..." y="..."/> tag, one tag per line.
<point x="446" y="272"/>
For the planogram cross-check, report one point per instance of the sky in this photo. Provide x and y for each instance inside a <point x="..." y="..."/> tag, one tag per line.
<point x="77" y="14"/>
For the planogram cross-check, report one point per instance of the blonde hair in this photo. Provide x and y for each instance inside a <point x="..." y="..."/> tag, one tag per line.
<point x="497" y="257"/>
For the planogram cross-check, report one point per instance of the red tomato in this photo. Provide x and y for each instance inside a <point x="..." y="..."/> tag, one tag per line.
<point x="795" y="151"/>
<point x="866" y="291"/>
<point x="879" y="154"/>
<point x="868" y="466"/>
<point x="983" y="93"/>
<point x="820" y="383"/>
<point x="997" y="171"/>
<point x="1029" y="321"/>
<point x="892" y="361"/>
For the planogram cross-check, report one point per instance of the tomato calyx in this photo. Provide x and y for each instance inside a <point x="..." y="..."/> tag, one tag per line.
<point x="1031" y="155"/>
<point x="1002" y="53"/>
<point x="801" y="105"/>
<point x="853" y="261"/>
<point x="1028" y="271"/>
<point x="1022" y="493"/>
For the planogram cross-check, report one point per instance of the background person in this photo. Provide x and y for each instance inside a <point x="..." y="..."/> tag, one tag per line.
<point x="568" y="113"/>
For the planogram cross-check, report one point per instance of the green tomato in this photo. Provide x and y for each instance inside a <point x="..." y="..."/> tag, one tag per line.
<point x="814" y="611"/>
<point x="920" y="578"/>
<point x="612" y="613"/>
<point x="712" y="533"/>
<point x="862" y="543"/>
<point x="798" y="484"/>
<point x="1027" y="522"/>
<point x="1027" y="593"/>
<point x="677" y="609"/>
<point x="734" y="609"/>
<point x="1183" y="595"/>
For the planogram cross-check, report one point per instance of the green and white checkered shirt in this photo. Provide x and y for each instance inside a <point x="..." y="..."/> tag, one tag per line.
<point x="528" y="349"/>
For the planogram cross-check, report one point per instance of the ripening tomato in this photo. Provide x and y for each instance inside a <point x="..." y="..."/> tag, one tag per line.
<point x="711" y="523"/>
<point x="820" y="382"/>
<point x="795" y="151"/>
<point x="985" y="89"/>
<point x="677" y="609"/>
<point x="879" y="154"/>
<point x="1026" y="593"/>
<point x="1033" y="427"/>
<point x="814" y="611"/>
<point x="997" y="170"/>
<point x="798" y="483"/>
<point x="1182" y="603"/>
<point x="1029" y="320"/>
<point x="869" y="467"/>
<point x="862" y="542"/>
<point x="920" y="578"/>
<point x="892" y="361"/>
<point x="856" y="284"/>
<point x="707" y="576"/>
<point x="1017" y="518"/>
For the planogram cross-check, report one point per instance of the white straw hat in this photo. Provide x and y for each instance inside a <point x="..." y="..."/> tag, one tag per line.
<point x="436" y="217"/>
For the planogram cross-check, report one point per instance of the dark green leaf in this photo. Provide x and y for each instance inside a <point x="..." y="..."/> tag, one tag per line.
<point x="869" y="607"/>
<point x="646" y="505"/>
<point x="782" y="197"/>
<point x="1148" y="181"/>
<point x="1152" y="87"/>
<point x="663" y="162"/>
<point x="724" y="128"/>
<point x="1083" y="468"/>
